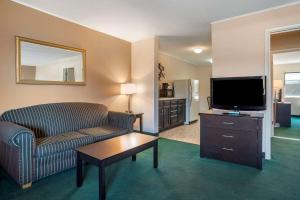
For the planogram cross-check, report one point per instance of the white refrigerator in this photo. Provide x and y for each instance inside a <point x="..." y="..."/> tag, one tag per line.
<point x="188" y="89"/>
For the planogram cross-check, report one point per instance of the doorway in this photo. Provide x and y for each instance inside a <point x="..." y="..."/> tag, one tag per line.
<point x="285" y="72"/>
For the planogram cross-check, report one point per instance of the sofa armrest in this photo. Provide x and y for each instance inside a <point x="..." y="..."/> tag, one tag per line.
<point x="121" y="120"/>
<point x="17" y="145"/>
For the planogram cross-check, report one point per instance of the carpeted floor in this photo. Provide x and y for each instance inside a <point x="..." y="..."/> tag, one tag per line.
<point x="292" y="132"/>
<point x="182" y="175"/>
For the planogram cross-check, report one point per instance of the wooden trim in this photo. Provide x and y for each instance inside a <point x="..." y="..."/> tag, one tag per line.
<point x="285" y="50"/>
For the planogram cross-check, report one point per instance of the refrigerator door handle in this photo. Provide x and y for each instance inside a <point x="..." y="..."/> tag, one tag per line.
<point x="190" y="93"/>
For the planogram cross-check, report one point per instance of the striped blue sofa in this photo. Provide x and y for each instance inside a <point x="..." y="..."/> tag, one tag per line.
<point x="39" y="141"/>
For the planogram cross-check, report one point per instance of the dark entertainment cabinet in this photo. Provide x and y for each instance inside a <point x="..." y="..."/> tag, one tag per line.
<point x="231" y="138"/>
<point x="171" y="113"/>
<point x="283" y="114"/>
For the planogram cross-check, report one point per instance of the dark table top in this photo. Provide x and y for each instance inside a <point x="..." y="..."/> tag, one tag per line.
<point x="252" y="114"/>
<point x="111" y="147"/>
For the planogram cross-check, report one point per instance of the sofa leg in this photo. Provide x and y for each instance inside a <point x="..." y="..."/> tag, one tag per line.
<point x="26" y="186"/>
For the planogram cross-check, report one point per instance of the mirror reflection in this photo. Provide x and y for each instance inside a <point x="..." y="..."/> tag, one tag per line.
<point x="46" y="63"/>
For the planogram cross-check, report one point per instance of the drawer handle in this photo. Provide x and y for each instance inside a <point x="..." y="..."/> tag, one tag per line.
<point x="227" y="149"/>
<point x="228" y="123"/>
<point x="228" y="136"/>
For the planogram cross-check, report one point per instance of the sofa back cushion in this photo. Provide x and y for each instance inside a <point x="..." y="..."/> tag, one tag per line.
<point x="52" y="119"/>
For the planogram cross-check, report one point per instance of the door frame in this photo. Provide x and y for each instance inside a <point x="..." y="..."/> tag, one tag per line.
<point x="268" y="120"/>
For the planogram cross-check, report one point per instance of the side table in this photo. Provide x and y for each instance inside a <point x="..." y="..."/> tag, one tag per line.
<point x="140" y="117"/>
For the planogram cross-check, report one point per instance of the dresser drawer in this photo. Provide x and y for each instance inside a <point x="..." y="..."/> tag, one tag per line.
<point x="174" y="102"/>
<point x="229" y="122"/>
<point x="167" y="103"/>
<point x="161" y="103"/>
<point x="174" y="108"/>
<point x="181" y="101"/>
<point x="174" y="119"/>
<point x="230" y="154"/>
<point x="245" y="141"/>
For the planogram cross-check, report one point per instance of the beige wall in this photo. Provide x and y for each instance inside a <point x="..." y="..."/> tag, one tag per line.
<point x="176" y="69"/>
<point x="278" y="74"/>
<point x="144" y="74"/>
<point x="108" y="60"/>
<point x="238" y="45"/>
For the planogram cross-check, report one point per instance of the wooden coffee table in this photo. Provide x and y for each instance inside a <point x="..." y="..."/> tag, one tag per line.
<point x="112" y="150"/>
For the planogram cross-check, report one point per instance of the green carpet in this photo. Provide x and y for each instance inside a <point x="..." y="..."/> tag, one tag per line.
<point x="182" y="175"/>
<point x="292" y="132"/>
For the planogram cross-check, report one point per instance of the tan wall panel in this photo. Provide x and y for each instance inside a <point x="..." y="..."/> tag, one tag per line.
<point x="238" y="45"/>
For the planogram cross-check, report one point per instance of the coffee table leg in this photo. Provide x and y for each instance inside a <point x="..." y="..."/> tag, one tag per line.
<point x="155" y="154"/>
<point x="134" y="158"/>
<point x="102" y="182"/>
<point x="79" y="178"/>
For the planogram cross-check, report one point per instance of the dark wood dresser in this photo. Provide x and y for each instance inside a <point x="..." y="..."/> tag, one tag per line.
<point x="283" y="114"/>
<point x="231" y="138"/>
<point x="171" y="113"/>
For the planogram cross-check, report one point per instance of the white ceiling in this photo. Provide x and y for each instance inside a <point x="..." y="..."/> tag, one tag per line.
<point x="181" y="25"/>
<point x="286" y="58"/>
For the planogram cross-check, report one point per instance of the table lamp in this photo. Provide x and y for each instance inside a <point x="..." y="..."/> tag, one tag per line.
<point x="128" y="89"/>
<point x="278" y="85"/>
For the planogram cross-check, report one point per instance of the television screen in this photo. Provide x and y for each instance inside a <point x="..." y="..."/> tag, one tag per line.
<point x="243" y="93"/>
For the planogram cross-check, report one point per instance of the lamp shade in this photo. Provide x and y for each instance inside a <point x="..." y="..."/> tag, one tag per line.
<point x="278" y="84"/>
<point x="128" y="88"/>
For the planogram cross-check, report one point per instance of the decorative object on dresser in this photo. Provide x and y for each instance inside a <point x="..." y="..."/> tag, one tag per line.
<point x="128" y="89"/>
<point x="107" y="152"/>
<point x="38" y="141"/>
<point x="171" y="113"/>
<point x="232" y="138"/>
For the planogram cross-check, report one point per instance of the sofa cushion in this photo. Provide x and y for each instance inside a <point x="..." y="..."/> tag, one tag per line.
<point x="53" y="119"/>
<point x="59" y="143"/>
<point x="103" y="132"/>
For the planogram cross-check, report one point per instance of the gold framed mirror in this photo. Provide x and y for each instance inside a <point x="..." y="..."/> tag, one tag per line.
<point x="39" y="62"/>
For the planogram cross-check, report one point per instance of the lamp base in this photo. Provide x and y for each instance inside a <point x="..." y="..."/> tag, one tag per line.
<point x="128" y="111"/>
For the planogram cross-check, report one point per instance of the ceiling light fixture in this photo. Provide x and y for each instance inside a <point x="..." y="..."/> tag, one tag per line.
<point x="198" y="50"/>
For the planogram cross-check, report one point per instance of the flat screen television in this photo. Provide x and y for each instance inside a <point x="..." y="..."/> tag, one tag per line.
<point x="239" y="93"/>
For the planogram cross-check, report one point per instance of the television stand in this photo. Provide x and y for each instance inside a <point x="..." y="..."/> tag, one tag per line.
<point x="231" y="138"/>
